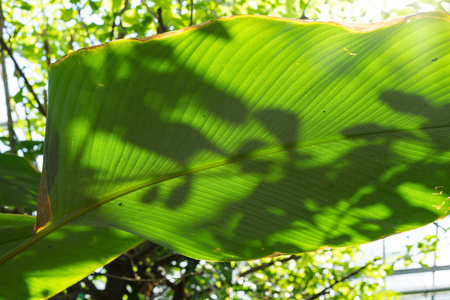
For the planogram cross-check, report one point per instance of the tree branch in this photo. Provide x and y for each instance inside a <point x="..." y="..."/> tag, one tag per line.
<point x="27" y="83"/>
<point x="46" y="47"/>
<point x="351" y="274"/>
<point x="45" y="37"/>
<point x="303" y="16"/>
<point x="129" y="278"/>
<point x="149" y="10"/>
<point x="161" y="28"/>
<point x="11" y="133"/>
<point x="113" y="27"/>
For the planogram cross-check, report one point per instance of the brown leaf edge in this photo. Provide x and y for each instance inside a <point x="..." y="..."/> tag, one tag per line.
<point x="44" y="212"/>
<point x="355" y="27"/>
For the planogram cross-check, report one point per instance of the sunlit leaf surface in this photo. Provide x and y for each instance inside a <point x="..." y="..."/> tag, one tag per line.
<point x="250" y="136"/>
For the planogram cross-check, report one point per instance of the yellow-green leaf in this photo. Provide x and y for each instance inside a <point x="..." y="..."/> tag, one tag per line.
<point x="250" y="136"/>
<point x="113" y="6"/>
<point x="130" y="17"/>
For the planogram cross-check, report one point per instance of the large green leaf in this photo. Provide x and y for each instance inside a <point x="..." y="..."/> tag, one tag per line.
<point x="56" y="261"/>
<point x="19" y="182"/>
<point x="248" y="136"/>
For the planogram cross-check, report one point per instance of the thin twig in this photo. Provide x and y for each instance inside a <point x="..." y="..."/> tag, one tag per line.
<point x="125" y="8"/>
<point x="266" y="265"/>
<point x="133" y="265"/>
<point x="27" y="112"/>
<point x="127" y="278"/>
<point x="165" y="260"/>
<point x="351" y="274"/>
<point x="149" y="9"/>
<point x="159" y="24"/>
<point x="439" y="226"/>
<point x="161" y="280"/>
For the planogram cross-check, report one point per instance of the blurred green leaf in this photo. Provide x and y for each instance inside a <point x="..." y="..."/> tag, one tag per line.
<point x="15" y="227"/>
<point x="67" y="14"/>
<point x="303" y="4"/>
<point x="113" y="5"/>
<point x="130" y="17"/>
<point x="18" y="97"/>
<point x="57" y="261"/>
<point x="25" y="5"/>
<point x="19" y="182"/>
<point x="94" y="5"/>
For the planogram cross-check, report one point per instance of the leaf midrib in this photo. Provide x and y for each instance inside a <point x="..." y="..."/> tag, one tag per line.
<point x="81" y="211"/>
<point x="251" y="156"/>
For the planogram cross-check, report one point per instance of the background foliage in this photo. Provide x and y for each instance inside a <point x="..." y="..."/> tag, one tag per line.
<point x="36" y="33"/>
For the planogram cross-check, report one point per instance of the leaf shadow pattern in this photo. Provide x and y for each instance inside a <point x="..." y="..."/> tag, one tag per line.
<point x="177" y="152"/>
<point x="118" y="120"/>
<point x="301" y="205"/>
<point x="351" y="200"/>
